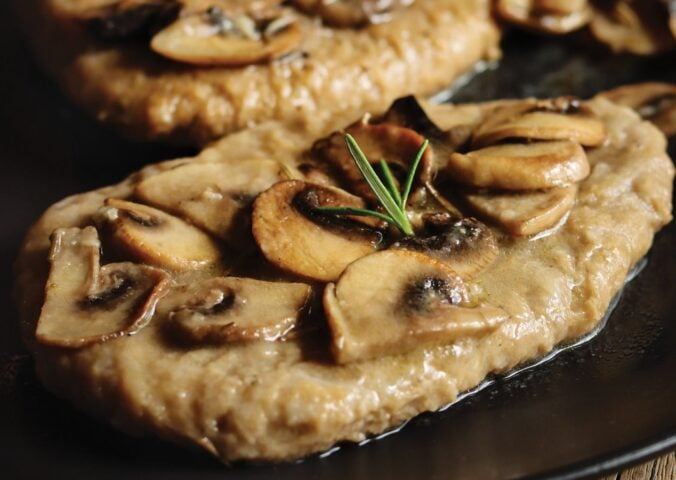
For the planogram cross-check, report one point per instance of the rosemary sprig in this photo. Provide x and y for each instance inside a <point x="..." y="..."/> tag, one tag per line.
<point x="392" y="201"/>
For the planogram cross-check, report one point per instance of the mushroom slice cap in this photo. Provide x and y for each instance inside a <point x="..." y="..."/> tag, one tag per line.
<point x="524" y="213"/>
<point x="152" y="236"/>
<point x="87" y="304"/>
<point x="210" y="39"/>
<point x="393" y="301"/>
<point x="230" y="309"/>
<point x="543" y="125"/>
<point x="296" y="238"/>
<point x="466" y="245"/>
<point x="549" y="16"/>
<point x="530" y="166"/>
<point x="352" y="13"/>
<point x="654" y="101"/>
<point x="395" y="144"/>
<point x="632" y="26"/>
<point x="213" y="196"/>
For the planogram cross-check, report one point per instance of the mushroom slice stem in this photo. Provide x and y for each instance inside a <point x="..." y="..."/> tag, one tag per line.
<point x="216" y="38"/>
<point x="152" y="236"/>
<point x="87" y="304"/>
<point x="524" y="213"/>
<point x="395" y="144"/>
<point x="521" y="166"/>
<point x="292" y="235"/>
<point x="542" y="125"/>
<point x="230" y="309"/>
<point x="213" y="196"/>
<point x="466" y="245"/>
<point x="393" y="301"/>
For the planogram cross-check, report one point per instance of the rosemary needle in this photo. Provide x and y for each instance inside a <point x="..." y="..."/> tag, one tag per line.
<point x="389" y="197"/>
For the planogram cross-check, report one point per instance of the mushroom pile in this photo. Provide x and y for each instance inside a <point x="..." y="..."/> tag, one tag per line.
<point x="221" y="253"/>
<point x="638" y="26"/>
<point x="229" y="33"/>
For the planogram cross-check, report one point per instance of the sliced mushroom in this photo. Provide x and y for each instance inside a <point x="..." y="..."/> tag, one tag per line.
<point x="524" y="213"/>
<point x="152" y="236"/>
<point x="466" y="245"/>
<point x="213" y="196"/>
<point x="293" y="235"/>
<point x="352" y="13"/>
<point x="545" y="120"/>
<point x="395" y="144"/>
<point x="654" y="101"/>
<point x="230" y="309"/>
<point x="393" y="301"/>
<point x="521" y="166"/>
<point x="124" y="19"/>
<point x="551" y="16"/>
<point x="217" y="38"/>
<point x="632" y="26"/>
<point x="86" y="303"/>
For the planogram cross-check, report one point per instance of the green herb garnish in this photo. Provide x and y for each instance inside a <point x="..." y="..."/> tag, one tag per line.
<point x="392" y="201"/>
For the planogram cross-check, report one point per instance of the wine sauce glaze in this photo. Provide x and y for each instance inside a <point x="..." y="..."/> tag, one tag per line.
<point x="633" y="273"/>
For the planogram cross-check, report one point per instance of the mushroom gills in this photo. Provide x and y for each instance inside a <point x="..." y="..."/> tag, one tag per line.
<point x="395" y="144"/>
<point x="524" y="213"/>
<point x="292" y="235"/>
<point x="213" y="37"/>
<point x="85" y="303"/>
<point x="127" y="19"/>
<point x="149" y="235"/>
<point x="394" y="301"/>
<point x="516" y="166"/>
<point x="214" y="196"/>
<point x="466" y="245"/>
<point x="230" y="309"/>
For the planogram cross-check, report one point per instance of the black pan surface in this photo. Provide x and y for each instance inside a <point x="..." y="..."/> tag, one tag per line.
<point x="596" y="408"/>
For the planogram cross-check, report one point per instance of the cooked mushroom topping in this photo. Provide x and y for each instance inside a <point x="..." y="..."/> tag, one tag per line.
<point x="653" y="101"/>
<point x="632" y="26"/>
<point x="216" y="38"/>
<point x="352" y="13"/>
<point x="521" y="166"/>
<point x="152" y="236"/>
<point x="229" y="309"/>
<point x="213" y="196"/>
<point x="524" y="213"/>
<point x="124" y="19"/>
<point x="293" y="235"/>
<point x="393" y="301"/>
<point x="552" y="16"/>
<point x="466" y="245"/>
<point x="86" y="303"/>
<point x="395" y="144"/>
<point x="559" y="119"/>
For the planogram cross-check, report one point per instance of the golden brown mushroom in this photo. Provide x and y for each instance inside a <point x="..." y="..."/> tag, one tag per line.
<point x="218" y="37"/>
<point x="152" y="236"/>
<point x="352" y="13"/>
<point x="230" y="309"/>
<point x="524" y="213"/>
<point x="213" y="196"/>
<point x="294" y="236"/>
<point x="515" y="166"/>
<point x="551" y="16"/>
<point x="654" y="101"/>
<point x="87" y="304"/>
<point x="393" y="301"/>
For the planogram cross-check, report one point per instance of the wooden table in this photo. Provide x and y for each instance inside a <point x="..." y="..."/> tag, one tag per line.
<point x="663" y="468"/>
